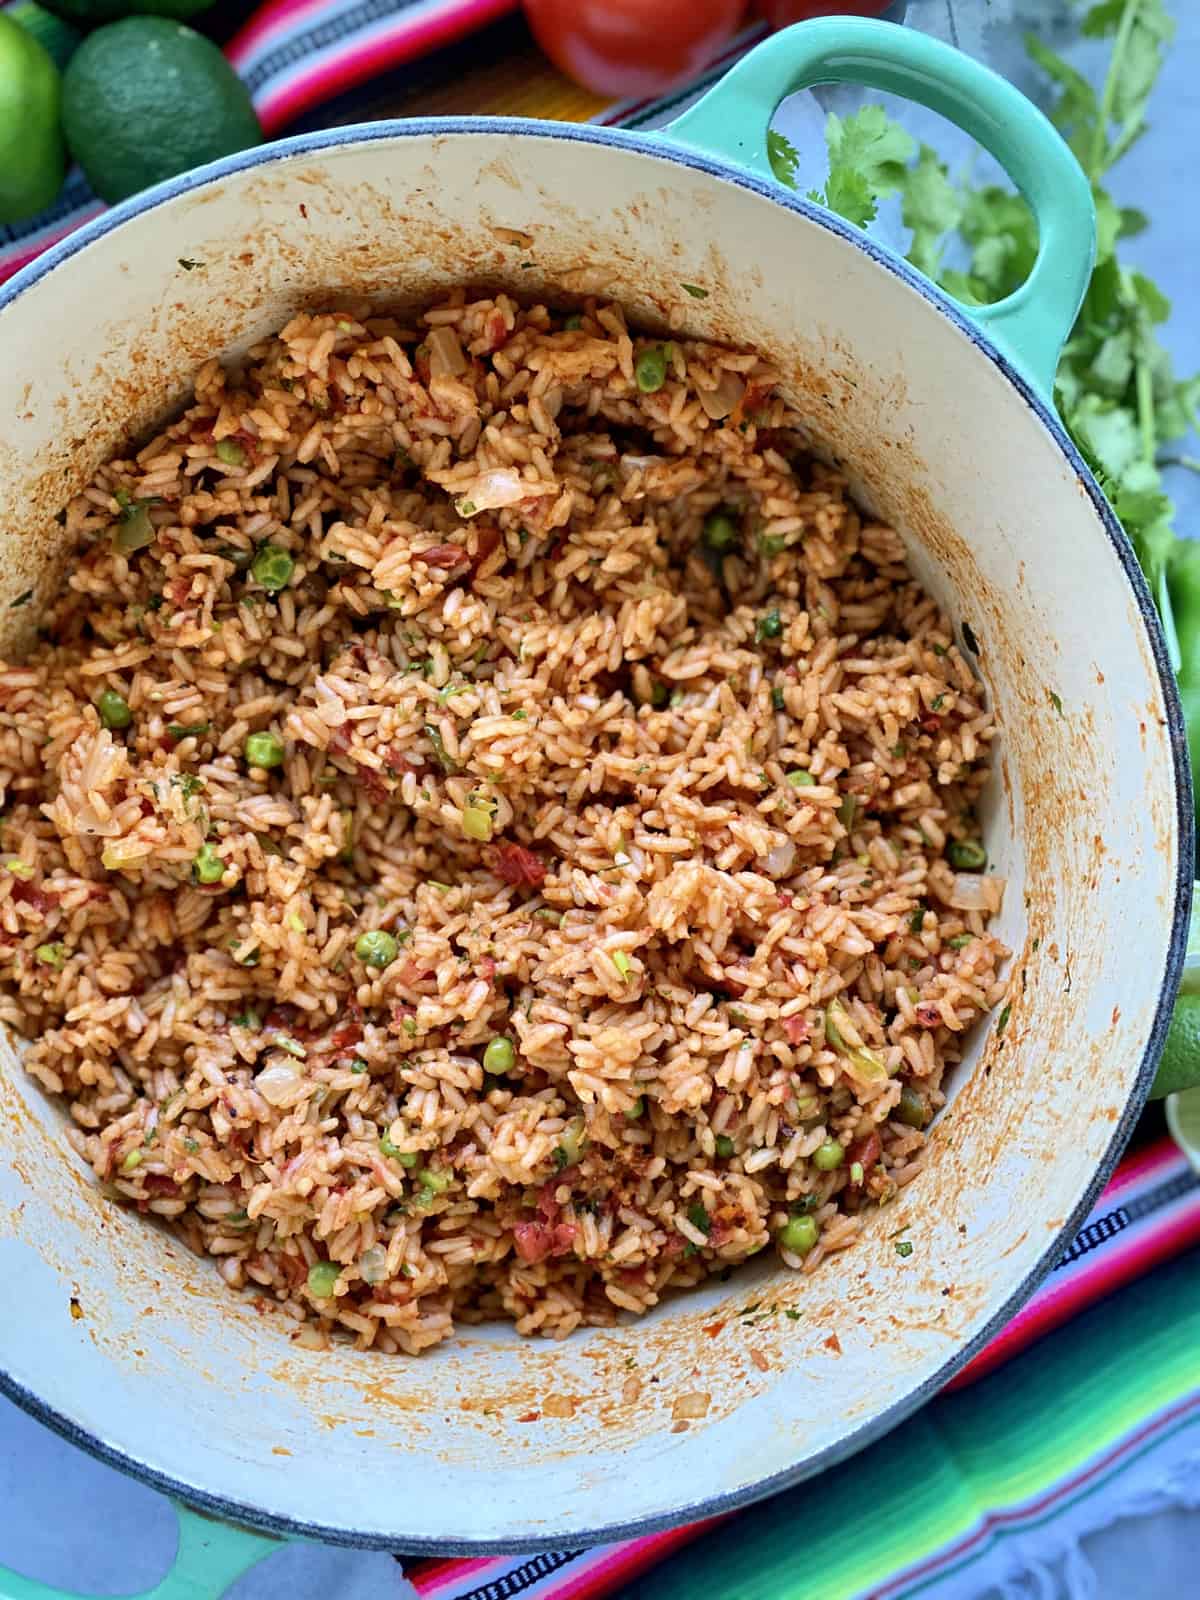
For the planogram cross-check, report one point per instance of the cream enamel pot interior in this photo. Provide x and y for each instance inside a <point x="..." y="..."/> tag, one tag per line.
<point x="946" y="433"/>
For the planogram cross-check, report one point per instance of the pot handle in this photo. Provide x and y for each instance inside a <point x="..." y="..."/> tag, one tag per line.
<point x="732" y="119"/>
<point x="209" y="1557"/>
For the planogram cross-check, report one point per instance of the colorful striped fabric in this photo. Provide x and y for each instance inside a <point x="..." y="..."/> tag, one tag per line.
<point x="1149" y="1212"/>
<point x="296" y="54"/>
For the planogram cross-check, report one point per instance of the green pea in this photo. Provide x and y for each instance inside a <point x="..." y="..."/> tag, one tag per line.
<point x="272" y="567"/>
<point x="376" y="948"/>
<point x="207" y="866"/>
<point x="52" y="955"/>
<point x="912" y="1109"/>
<point x="798" y="1235"/>
<point x="637" y="1109"/>
<point x="499" y="1056"/>
<point x="770" y="625"/>
<point x="725" y="1146"/>
<point x="231" y="453"/>
<point x="720" y="531"/>
<point x="799" y="779"/>
<point x="650" y="370"/>
<point x="263" y="750"/>
<point x="114" y="709"/>
<point x="323" y="1277"/>
<point x="571" y="323"/>
<point x="966" y="853"/>
<point x="828" y="1156"/>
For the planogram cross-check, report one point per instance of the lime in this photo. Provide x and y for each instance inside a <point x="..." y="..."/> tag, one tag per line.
<point x="91" y="12"/>
<point x="146" y="98"/>
<point x="1180" y="1064"/>
<point x="57" y="37"/>
<point x="32" y="160"/>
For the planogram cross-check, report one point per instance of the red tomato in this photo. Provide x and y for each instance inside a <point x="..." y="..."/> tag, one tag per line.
<point x="630" y="48"/>
<point x="780" y="13"/>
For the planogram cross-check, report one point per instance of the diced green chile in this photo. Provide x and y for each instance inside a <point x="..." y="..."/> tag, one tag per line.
<point x="725" y="1146"/>
<point x="570" y="1144"/>
<point x="913" y="1110"/>
<point x="263" y="750"/>
<point x="207" y="866"/>
<point x="431" y="1178"/>
<point x="134" y="530"/>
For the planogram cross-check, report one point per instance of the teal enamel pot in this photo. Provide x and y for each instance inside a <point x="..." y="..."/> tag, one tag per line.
<point x="944" y="422"/>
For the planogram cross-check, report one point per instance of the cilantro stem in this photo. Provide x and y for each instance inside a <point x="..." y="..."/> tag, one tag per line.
<point x="1101" y="156"/>
<point x="1145" y="409"/>
<point x="1192" y="463"/>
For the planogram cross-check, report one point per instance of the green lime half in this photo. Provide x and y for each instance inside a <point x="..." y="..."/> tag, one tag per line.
<point x="32" y="159"/>
<point x="146" y="98"/>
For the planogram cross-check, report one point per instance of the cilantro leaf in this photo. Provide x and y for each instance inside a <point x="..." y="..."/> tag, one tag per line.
<point x="868" y="156"/>
<point x="871" y="144"/>
<point x="932" y="207"/>
<point x="784" y="158"/>
<point x="849" y="194"/>
<point x="1076" y="112"/>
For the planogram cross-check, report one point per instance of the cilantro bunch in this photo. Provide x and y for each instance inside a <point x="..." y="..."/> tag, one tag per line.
<point x="1115" y="389"/>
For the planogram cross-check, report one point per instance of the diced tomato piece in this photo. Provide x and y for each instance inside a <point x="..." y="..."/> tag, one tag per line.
<point x="866" y="1152"/>
<point x="796" y="1028"/>
<point x="518" y="866"/>
<point x="548" y="1207"/>
<point x="444" y="555"/>
<point x="373" y="782"/>
<point x="487" y="968"/>
<point x="486" y="541"/>
<point x="929" y="1016"/>
<point x="342" y="1038"/>
<point x="36" y="899"/>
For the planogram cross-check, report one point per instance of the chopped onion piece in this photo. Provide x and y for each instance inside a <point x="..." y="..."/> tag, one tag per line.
<point x="971" y="891"/>
<point x="726" y="397"/>
<point x="446" y="358"/>
<point x="640" y="463"/>
<point x="373" y="1264"/>
<point x="777" y="863"/>
<point x="501" y="486"/>
<point x="280" y="1084"/>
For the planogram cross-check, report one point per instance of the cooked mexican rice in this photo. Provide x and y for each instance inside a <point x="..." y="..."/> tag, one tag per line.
<point x="490" y="827"/>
